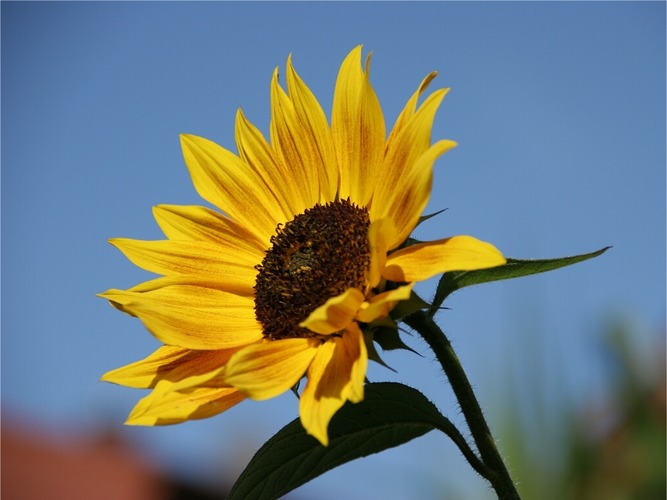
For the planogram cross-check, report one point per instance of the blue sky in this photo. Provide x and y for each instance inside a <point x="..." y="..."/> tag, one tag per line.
<point x="559" y="111"/>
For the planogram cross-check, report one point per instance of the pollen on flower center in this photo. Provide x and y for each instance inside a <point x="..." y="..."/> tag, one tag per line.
<point x="318" y="255"/>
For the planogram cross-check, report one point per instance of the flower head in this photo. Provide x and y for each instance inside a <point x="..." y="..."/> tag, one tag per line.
<point x="305" y="256"/>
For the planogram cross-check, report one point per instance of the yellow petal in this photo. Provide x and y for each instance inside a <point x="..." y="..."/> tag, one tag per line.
<point x="335" y="314"/>
<point x="223" y="179"/>
<point x="358" y="129"/>
<point x="379" y="232"/>
<point x="355" y="348"/>
<point x="266" y="369"/>
<point x="280" y="179"/>
<point x="200" y="281"/>
<point x="413" y="136"/>
<point x="407" y="204"/>
<point x="145" y="374"/>
<point x="170" y="363"/>
<point x="380" y="305"/>
<point x="409" y="109"/>
<point x="233" y="263"/>
<point x="165" y="407"/>
<point x="315" y="132"/>
<point x="203" y="224"/>
<point x="336" y="375"/>
<point x="290" y="145"/>
<point x="459" y="253"/>
<point x="192" y="317"/>
<point x="408" y="164"/>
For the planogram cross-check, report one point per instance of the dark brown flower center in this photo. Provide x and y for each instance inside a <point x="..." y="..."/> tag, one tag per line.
<point x="318" y="255"/>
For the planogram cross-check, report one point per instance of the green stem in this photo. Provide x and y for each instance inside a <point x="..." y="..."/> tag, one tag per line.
<point x="449" y="429"/>
<point x="497" y="473"/>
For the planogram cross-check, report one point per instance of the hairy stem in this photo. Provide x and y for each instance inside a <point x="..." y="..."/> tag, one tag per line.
<point x="449" y="429"/>
<point x="495" y="471"/>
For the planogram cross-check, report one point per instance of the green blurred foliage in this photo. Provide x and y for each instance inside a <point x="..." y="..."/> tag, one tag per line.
<point x="613" y="448"/>
<point x="627" y="459"/>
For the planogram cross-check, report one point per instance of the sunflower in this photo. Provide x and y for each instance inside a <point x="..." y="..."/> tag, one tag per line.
<point x="306" y="256"/>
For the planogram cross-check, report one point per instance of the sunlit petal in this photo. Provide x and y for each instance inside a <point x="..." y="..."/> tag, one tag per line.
<point x="409" y="109"/>
<point x="280" y="179"/>
<point x="380" y="305"/>
<point x="358" y="129"/>
<point x="459" y="253"/>
<point x="289" y="144"/>
<point x="406" y="206"/>
<point x="175" y="364"/>
<point x="227" y="182"/>
<point x="146" y="373"/>
<point x="200" y="281"/>
<point x="316" y="134"/>
<point x="232" y="263"/>
<point x="409" y="164"/>
<point x="379" y="233"/>
<point x="192" y="317"/>
<point x="335" y="314"/>
<point x="336" y="374"/>
<point x="165" y="407"/>
<point x="203" y="224"/>
<point x="267" y="369"/>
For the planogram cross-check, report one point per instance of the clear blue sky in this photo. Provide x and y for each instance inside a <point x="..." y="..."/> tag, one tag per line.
<point x="559" y="111"/>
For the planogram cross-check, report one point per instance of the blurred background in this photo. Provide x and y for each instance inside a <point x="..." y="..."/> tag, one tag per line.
<point x="559" y="111"/>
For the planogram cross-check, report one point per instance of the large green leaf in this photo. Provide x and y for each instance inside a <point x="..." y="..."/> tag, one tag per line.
<point x="515" y="268"/>
<point x="390" y="414"/>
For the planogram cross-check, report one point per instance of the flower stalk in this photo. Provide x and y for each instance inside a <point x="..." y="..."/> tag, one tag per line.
<point x="495" y="471"/>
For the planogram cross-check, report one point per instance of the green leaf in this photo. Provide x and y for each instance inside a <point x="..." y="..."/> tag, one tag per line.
<point x="390" y="414"/>
<point x="373" y="354"/>
<point x="515" y="268"/>
<point x="389" y="339"/>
